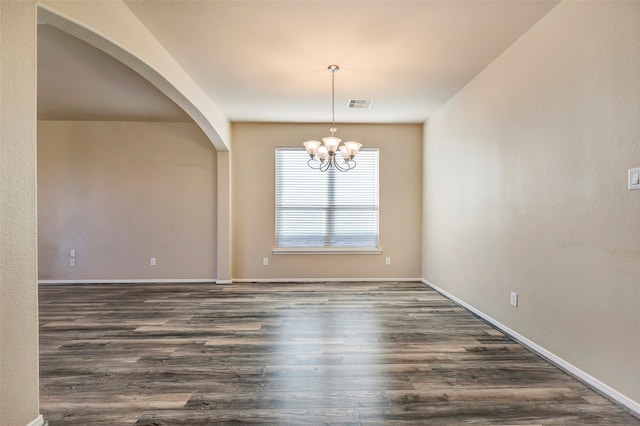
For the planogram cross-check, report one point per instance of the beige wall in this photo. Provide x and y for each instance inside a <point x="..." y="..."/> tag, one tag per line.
<point x="18" y="266"/>
<point x="224" y="217"/>
<point x="526" y="190"/>
<point x="253" y="175"/>
<point x="120" y="193"/>
<point x="113" y="28"/>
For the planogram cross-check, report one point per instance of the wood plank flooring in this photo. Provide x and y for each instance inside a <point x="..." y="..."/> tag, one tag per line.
<point x="330" y="353"/>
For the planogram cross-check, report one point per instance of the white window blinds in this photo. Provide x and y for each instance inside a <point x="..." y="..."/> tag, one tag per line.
<point x="330" y="209"/>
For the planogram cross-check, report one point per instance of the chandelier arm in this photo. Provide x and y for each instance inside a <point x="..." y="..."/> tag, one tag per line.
<point x="340" y="167"/>
<point x="337" y="166"/>
<point x="312" y="163"/>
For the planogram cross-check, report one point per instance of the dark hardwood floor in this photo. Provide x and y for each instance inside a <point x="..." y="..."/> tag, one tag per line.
<point x="337" y="353"/>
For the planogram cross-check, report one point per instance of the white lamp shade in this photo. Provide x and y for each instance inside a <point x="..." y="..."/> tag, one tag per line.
<point x="322" y="152"/>
<point x="331" y="142"/>
<point x="345" y="152"/>
<point x="353" y="148"/>
<point x="312" y="147"/>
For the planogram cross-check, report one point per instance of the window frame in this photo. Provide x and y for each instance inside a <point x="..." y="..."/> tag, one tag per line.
<point x="319" y="249"/>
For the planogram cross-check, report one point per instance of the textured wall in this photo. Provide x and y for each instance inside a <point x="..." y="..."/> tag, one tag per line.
<point x="253" y="172"/>
<point x="120" y="193"/>
<point x="526" y="189"/>
<point x="18" y="273"/>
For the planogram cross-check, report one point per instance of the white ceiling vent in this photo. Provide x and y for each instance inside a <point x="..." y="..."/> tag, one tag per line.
<point x="360" y="103"/>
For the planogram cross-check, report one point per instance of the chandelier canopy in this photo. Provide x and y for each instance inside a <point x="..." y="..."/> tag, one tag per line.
<point x="324" y="155"/>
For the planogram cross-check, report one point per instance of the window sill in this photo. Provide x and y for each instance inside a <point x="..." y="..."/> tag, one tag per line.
<point x="350" y="250"/>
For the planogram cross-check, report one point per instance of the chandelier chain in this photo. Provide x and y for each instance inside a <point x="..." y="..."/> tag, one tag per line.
<point x="333" y="102"/>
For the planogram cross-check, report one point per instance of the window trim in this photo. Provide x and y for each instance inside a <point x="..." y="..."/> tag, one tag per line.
<point x="326" y="250"/>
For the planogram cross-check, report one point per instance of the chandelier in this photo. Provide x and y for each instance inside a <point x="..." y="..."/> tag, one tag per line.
<point x="324" y="155"/>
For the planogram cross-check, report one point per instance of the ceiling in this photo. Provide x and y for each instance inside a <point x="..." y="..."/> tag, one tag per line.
<point x="267" y="60"/>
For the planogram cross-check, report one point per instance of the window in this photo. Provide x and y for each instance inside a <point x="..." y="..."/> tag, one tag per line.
<point x="330" y="210"/>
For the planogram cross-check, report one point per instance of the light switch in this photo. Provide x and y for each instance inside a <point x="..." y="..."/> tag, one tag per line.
<point x="634" y="179"/>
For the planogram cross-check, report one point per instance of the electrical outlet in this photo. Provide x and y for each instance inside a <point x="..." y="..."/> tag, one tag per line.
<point x="514" y="299"/>
<point x="634" y="179"/>
<point x="72" y="252"/>
<point x="265" y="261"/>
<point x="72" y="261"/>
<point x="152" y="262"/>
<point x="387" y="261"/>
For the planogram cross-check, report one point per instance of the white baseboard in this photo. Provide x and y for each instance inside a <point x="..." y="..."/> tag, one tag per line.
<point x="605" y="389"/>
<point x="38" y="421"/>
<point x="322" y="280"/>
<point x="214" y="281"/>
<point x="132" y="281"/>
